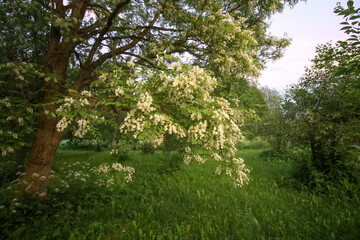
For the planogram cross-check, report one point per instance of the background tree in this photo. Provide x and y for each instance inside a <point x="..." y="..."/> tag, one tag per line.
<point x="323" y="111"/>
<point x="83" y="36"/>
<point x="273" y="125"/>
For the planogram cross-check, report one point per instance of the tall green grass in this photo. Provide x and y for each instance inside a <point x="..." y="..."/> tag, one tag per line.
<point x="182" y="202"/>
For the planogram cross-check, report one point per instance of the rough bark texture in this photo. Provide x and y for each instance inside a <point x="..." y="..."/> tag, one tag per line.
<point x="40" y="159"/>
<point x="46" y="140"/>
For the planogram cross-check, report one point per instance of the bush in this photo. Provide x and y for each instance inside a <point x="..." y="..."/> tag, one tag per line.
<point x="343" y="177"/>
<point x="255" y="143"/>
<point x="172" y="143"/>
<point x="146" y="147"/>
<point x="121" y="153"/>
<point x="8" y="170"/>
<point x="306" y="174"/>
<point x="275" y="155"/>
<point x="78" y="144"/>
<point x="171" y="162"/>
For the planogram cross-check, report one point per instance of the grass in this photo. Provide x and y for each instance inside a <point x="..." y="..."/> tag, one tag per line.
<point x="183" y="202"/>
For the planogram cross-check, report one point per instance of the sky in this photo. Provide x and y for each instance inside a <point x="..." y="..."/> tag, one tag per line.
<point x="308" y="24"/>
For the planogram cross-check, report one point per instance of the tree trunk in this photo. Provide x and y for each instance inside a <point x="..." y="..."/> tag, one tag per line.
<point x="46" y="140"/>
<point x="40" y="159"/>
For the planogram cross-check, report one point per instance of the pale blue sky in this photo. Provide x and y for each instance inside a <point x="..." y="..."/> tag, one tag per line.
<point x="308" y="24"/>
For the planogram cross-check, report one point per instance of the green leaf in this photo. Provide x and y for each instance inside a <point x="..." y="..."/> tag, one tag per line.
<point x="354" y="17"/>
<point x="346" y="27"/>
<point x="72" y="91"/>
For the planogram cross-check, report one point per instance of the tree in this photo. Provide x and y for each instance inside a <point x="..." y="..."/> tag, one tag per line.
<point x="273" y="124"/>
<point x="86" y="38"/>
<point x="323" y="109"/>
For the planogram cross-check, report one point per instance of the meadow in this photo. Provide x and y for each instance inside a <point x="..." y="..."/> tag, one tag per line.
<point x="169" y="200"/>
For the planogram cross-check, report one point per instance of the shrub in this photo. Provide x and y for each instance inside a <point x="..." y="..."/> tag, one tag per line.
<point x="8" y="170"/>
<point x="121" y="153"/>
<point x="79" y="144"/>
<point x="255" y="143"/>
<point x="342" y="177"/>
<point x="275" y="155"/>
<point x="171" y="162"/>
<point x="146" y="147"/>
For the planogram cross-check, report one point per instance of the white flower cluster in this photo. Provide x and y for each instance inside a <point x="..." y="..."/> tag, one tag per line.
<point x="68" y="102"/>
<point x="218" y="170"/>
<point x="133" y="124"/>
<point x="130" y="81"/>
<point x="231" y="43"/>
<point x="168" y="125"/>
<point x="128" y="171"/>
<point x="196" y="116"/>
<point x="145" y="103"/>
<point x="219" y="136"/>
<point x="83" y="128"/>
<point x="217" y="157"/>
<point x="21" y="121"/>
<point x="103" y="169"/>
<point x="187" y="159"/>
<point x="130" y="64"/>
<point x="78" y="175"/>
<point x="220" y="114"/>
<point x="198" y="131"/>
<point x="223" y="135"/>
<point x="240" y="172"/>
<point x="84" y="102"/>
<point x="187" y="155"/>
<point x="73" y="106"/>
<point x="6" y="102"/>
<point x="18" y="74"/>
<point x="199" y="159"/>
<point x="188" y="86"/>
<point x="62" y="124"/>
<point x="159" y="60"/>
<point x="157" y="141"/>
<point x="119" y="91"/>
<point x="86" y="93"/>
<point x="114" y="151"/>
<point x="7" y="150"/>
<point x="176" y="66"/>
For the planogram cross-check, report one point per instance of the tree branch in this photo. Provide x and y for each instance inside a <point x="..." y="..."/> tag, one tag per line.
<point x="123" y="49"/>
<point x="141" y="60"/>
<point x="153" y="28"/>
<point x="109" y="23"/>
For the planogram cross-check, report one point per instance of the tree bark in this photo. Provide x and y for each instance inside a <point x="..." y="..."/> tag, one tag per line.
<point x="46" y="140"/>
<point x="40" y="160"/>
